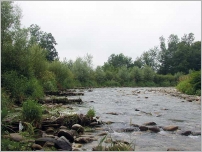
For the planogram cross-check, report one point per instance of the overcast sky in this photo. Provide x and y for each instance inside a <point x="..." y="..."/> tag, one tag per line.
<point x="101" y="28"/>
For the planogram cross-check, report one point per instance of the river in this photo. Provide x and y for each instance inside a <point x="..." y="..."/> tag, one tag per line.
<point x="141" y="105"/>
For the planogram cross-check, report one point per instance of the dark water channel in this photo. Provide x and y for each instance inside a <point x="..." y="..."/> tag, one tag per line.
<point x="142" y="107"/>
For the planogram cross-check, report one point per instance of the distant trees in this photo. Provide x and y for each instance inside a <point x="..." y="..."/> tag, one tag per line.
<point x="120" y="60"/>
<point x="178" y="56"/>
<point x="44" y="40"/>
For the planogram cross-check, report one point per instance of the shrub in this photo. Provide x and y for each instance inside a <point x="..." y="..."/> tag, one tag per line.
<point x="15" y="84"/>
<point x="190" y="84"/>
<point x="48" y="80"/>
<point x="8" y="145"/>
<point x="91" y="113"/>
<point x="195" y="80"/>
<point x="33" y="89"/>
<point x="31" y="111"/>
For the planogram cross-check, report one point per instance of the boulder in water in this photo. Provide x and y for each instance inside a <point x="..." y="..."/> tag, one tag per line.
<point x="170" y="128"/>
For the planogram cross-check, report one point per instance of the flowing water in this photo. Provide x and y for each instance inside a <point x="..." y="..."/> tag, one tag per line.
<point x="141" y="105"/>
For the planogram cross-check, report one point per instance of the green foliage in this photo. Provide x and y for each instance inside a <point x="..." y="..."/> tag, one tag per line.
<point x="120" y="60"/>
<point x="33" y="89"/>
<point x="31" y="111"/>
<point x="148" y="74"/>
<point x="136" y="74"/>
<point x="82" y="70"/>
<point x="112" y="83"/>
<point x="190" y="84"/>
<point x="91" y="113"/>
<point x="15" y="84"/>
<point x="44" y="40"/>
<point x="70" y="120"/>
<point x="63" y="75"/>
<point x="115" y="146"/>
<point x="48" y="81"/>
<point x="9" y="145"/>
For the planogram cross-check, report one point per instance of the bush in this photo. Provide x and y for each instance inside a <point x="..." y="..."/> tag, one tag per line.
<point x="48" y="81"/>
<point x="33" y="89"/>
<point x="15" y="84"/>
<point x="91" y="113"/>
<point x="195" y="80"/>
<point x="8" y="145"/>
<point x="190" y="84"/>
<point x="31" y="111"/>
<point x="112" y="83"/>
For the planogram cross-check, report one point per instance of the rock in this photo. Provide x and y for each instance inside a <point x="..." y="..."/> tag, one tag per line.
<point x="143" y="128"/>
<point x="16" y="137"/>
<point x="102" y="134"/>
<point x="50" y="130"/>
<point x="189" y="100"/>
<point x="186" y="133"/>
<point x="67" y="134"/>
<point x="93" y="123"/>
<point x="154" y="129"/>
<point x="49" y="144"/>
<point x="109" y="122"/>
<point x="149" y="123"/>
<point x="77" y="145"/>
<point x="78" y="128"/>
<point x="172" y="149"/>
<point x="146" y="97"/>
<point x="170" y="128"/>
<point x="112" y="113"/>
<point x="43" y="140"/>
<point x="36" y="147"/>
<point x="83" y="140"/>
<point x="76" y="149"/>
<point x="63" y="127"/>
<point x="137" y="110"/>
<point x="63" y="143"/>
<point x="196" y="133"/>
<point x="129" y="129"/>
<point x="135" y="125"/>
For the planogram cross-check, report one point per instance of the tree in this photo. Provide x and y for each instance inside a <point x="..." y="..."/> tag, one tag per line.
<point x="167" y="55"/>
<point x="120" y="60"/>
<point x="10" y="21"/>
<point x="45" y="40"/>
<point x="150" y="58"/>
<point x="148" y="74"/>
<point x="136" y="74"/>
<point x="100" y="75"/>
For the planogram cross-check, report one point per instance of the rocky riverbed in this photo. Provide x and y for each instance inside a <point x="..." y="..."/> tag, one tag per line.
<point x="142" y="119"/>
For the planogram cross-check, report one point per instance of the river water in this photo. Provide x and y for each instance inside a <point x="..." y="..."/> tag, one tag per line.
<point x="141" y="105"/>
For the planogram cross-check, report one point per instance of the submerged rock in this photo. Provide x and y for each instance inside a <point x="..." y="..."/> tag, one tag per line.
<point x="170" y="128"/>
<point x="172" y="149"/>
<point x="143" y="128"/>
<point x="196" y="133"/>
<point x="149" y="123"/>
<point x="185" y="133"/>
<point x="154" y="129"/>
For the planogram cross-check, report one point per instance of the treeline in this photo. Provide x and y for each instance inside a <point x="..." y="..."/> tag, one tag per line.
<point x="30" y="63"/>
